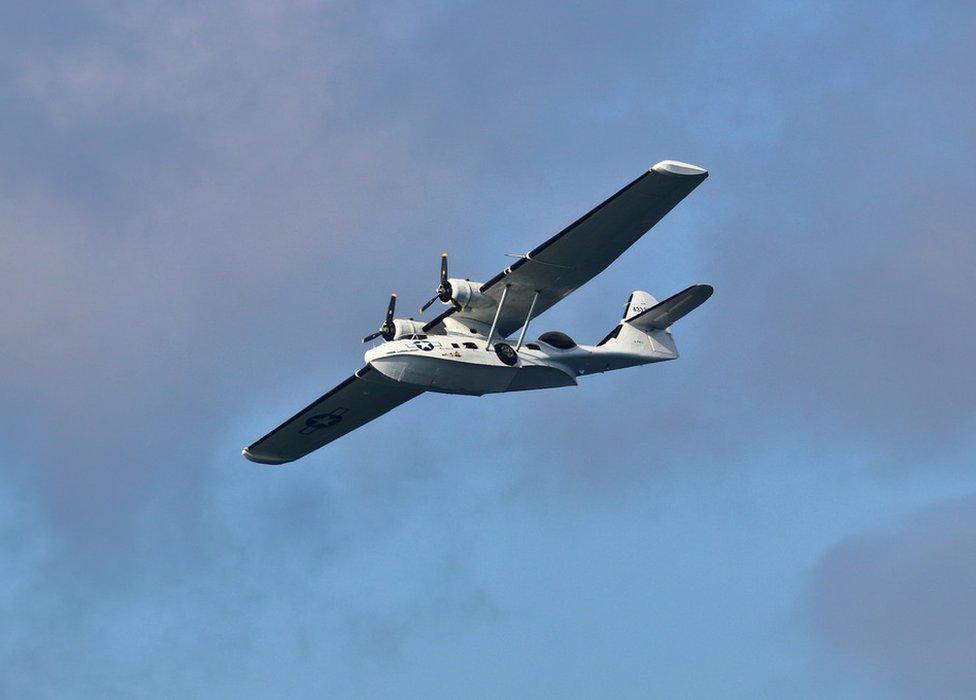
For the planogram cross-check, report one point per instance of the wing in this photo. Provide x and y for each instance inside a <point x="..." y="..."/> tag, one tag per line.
<point x="582" y="250"/>
<point x="364" y="396"/>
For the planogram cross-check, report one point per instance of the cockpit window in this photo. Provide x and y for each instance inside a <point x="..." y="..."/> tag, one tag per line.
<point x="471" y="346"/>
<point x="558" y="340"/>
<point x="533" y="346"/>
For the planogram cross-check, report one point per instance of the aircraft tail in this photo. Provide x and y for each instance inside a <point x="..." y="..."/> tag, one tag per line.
<point x="646" y="324"/>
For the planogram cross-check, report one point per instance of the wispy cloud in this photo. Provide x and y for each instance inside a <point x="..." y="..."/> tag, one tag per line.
<point x="204" y="205"/>
<point x="900" y="602"/>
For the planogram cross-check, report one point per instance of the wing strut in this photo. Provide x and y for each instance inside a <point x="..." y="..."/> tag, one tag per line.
<point x="498" y="312"/>
<point x="528" y="317"/>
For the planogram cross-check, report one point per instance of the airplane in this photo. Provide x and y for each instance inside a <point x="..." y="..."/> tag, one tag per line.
<point x="465" y="350"/>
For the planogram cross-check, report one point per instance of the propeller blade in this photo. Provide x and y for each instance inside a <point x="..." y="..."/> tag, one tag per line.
<point x="444" y="291"/>
<point x="429" y="302"/>
<point x="388" y="329"/>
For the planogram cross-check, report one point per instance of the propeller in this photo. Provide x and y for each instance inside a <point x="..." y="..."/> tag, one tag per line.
<point x="387" y="330"/>
<point x="444" y="291"/>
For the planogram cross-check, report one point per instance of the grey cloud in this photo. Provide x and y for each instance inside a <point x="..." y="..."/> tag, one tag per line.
<point x="900" y="603"/>
<point x="205" y="205"/>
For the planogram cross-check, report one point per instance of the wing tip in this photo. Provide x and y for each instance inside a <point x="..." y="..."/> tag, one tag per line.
<point x="273" y="461"/>
<point x="703" y="292"/>
<point x="676" y="167"/>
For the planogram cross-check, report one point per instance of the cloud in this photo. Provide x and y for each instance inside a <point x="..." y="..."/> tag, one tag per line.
<point x="204" y="205"/>
<point x="901" y="603"/>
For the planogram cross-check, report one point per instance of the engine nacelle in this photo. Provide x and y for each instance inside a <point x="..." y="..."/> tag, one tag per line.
<point x="467" y="295"/>
<point x="405" y="327"/>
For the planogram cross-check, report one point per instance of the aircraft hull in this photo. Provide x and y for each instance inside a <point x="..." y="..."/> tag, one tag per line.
<point x="452" y="376"/>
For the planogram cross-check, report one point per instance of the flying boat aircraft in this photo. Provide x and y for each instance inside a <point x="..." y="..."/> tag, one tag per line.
<point x="466" y="349"/>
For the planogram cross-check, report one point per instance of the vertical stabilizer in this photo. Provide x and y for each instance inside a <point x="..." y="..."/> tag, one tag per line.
<point x="638" y="303"/>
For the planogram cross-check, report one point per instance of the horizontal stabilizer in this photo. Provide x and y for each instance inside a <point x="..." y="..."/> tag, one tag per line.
<point x="662" y="315"/>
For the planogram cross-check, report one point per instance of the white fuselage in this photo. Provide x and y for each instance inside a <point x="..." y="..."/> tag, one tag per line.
<point x="454" y="364"/>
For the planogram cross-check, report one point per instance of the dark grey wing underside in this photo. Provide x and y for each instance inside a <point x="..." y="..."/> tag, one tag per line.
<point x="364" y="396"/>
<point x="583" y="249"/>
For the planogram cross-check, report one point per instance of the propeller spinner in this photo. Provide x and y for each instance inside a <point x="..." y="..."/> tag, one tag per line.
<point x="388" y="329"/>
<point x="444" y="290"/>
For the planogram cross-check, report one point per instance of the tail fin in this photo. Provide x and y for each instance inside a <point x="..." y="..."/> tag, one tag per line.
<point x="638" y="303"/>
<point x="645" y="326"/>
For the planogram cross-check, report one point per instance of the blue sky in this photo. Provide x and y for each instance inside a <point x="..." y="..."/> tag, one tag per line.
<point x="205" y="205"/>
